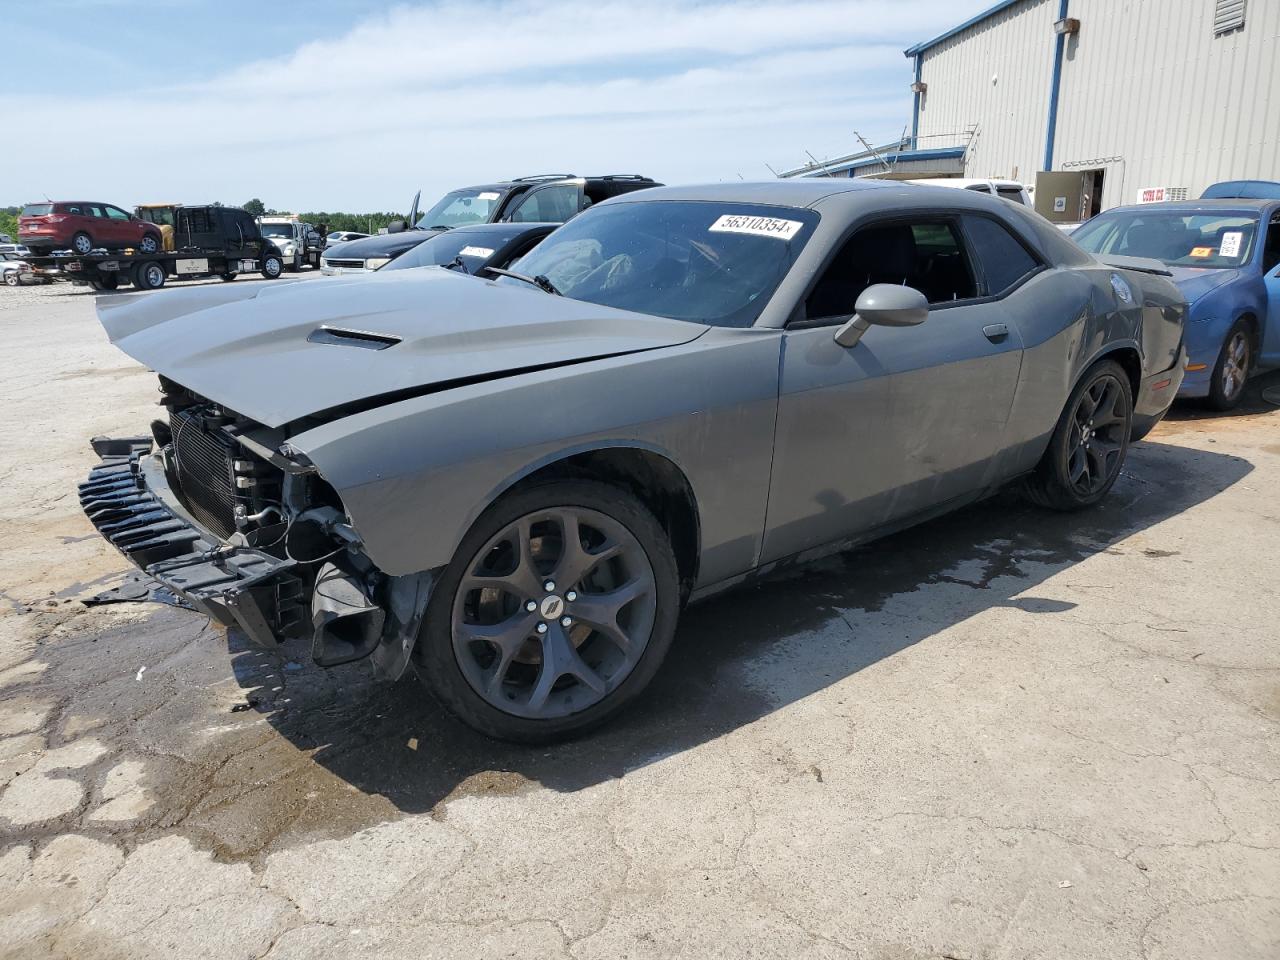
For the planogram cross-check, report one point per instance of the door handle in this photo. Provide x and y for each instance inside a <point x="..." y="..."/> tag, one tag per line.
<point x="996" y="332"/>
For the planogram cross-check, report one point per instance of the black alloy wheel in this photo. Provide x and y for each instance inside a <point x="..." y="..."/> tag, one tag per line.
<point x="555" y="613"/>
<point x="1089" y="444"/>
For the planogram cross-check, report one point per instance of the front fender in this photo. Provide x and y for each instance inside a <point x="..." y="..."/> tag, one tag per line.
<point x="414" y="475"/>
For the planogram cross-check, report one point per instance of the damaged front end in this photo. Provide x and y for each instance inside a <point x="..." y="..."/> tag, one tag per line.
<point x="210" y="507"/>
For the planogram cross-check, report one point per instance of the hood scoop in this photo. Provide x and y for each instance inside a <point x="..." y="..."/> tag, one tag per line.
<point x="352" y="338"/>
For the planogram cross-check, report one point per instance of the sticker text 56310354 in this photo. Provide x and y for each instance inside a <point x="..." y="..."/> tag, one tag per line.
<point x="757" y="226"/>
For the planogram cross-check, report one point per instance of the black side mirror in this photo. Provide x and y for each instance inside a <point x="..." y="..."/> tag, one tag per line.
<point x="397" y="226"/>
<point x="885" y="305"/>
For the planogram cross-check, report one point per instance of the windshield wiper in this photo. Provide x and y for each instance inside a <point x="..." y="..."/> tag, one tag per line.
<point x="456" y="263"/>
<point x="540" y="281"/>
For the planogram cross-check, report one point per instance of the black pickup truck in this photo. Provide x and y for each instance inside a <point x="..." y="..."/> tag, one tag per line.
<point x="209" y="241"/>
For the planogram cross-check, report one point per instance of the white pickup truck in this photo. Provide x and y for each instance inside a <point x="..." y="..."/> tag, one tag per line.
<point x="299" y="242"/>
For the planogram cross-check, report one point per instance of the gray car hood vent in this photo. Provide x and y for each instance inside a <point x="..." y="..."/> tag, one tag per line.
<point x="260" y="351"/>
<point x="351" y="338"/>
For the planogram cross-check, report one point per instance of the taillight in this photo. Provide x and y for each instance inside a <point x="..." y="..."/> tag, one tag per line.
<point x="53" y="218"/>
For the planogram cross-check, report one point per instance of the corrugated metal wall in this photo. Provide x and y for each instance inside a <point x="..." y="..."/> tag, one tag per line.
<point x="1146" y="87"/>
<point x="1015" y="47"/>
<point x="1147" y="81"/>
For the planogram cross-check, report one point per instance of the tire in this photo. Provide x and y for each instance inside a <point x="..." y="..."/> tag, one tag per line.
<point x="150" y="243"/>
<point x="148" y="275"/>
<point x="272" y="266"/>
<point x="1232" y="369"/>
<point x="82" y="243"/>
<point x="109" y="281"/>
<point x="96" y="285"/>
<point x="11" y="278"/>
<point x="1079" y="442"/>
<point x="228" y="276"/>
<point x="523" y="702"/>
<point x="296" y="265"/>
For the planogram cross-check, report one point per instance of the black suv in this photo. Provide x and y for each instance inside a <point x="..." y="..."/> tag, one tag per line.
<point x="546" y="198"/>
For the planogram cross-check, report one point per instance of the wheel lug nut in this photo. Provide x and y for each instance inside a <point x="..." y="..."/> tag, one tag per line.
<point x="571" y="596"/>
<point x="566" y="621"/>
<point x="531" y="606"/>
<point x="542" y="628"/>
<point x="549" y="586"/>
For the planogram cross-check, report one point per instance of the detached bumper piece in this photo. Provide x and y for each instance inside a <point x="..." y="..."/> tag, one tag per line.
<point x="237" y="586"/>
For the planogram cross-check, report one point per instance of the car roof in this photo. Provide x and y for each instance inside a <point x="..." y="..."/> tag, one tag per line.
<point x="1223" y="205"/>
<point x="798" y="192"/>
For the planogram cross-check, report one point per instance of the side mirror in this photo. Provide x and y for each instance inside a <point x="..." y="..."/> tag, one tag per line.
<point x="885" y="305"/>
<point x="397" y="226"/>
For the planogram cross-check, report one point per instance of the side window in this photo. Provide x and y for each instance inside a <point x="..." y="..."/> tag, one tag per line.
<point x="926" y="255"/>
<point x="1004" y="261"/>
<point x="1271" y="252"/>
<point x="115" y="213"/>
<point x="549" y="205"/>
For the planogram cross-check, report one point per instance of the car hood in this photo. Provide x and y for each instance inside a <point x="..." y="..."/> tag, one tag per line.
<point x="383" y="245"/>
<point x="1195" y="282"/>
<point x="282" y="351"/>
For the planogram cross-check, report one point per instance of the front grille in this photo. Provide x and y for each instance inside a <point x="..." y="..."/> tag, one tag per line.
<point x="345" y="264"/>
<point x="202" y="456"/>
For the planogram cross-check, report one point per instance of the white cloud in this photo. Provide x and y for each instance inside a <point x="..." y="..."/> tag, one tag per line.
<point x="439" y="96"/>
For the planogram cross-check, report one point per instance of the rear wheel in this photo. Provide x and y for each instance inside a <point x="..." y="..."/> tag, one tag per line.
<point x="1235" y="361"/>
<point x="150" y="243"/>
<point x="82" y="243"/>
<point x="228" y="275"/>
<point x="1089" y="443"/>
<point x="556" y="612"/>
<point x="109" y="281"/>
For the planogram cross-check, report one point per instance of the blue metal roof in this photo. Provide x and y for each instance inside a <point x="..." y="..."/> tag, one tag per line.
<point x="939" y="153"/>
<point x="920" y="48"/>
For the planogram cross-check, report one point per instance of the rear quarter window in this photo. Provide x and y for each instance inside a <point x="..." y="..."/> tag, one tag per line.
<point x="1004" y="261"/>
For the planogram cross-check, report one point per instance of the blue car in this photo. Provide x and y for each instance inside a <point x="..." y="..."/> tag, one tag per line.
<point x="1223" y="255"/>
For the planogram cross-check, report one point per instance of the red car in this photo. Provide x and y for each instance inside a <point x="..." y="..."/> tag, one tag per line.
<point x="83" y="226"/>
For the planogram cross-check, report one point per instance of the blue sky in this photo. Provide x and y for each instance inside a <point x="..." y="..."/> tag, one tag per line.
<point x="354" y="105"/>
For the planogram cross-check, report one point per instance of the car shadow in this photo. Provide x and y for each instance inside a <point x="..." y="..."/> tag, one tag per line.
<point x="731" y="663"/>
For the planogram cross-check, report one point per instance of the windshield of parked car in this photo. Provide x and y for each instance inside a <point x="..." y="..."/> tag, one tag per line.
<point x="1176" y="237"/>
<point x="276" y="229"/>
<point x="461" y="207"/>
<point x="709" y="262"/>
<point x="473" y="247"/>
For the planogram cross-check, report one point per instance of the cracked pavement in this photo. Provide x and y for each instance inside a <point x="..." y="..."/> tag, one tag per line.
<point x="1006" y="734"/>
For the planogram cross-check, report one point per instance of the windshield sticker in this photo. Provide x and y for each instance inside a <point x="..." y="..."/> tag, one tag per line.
<point x="1230" y="246"/>
<point x="487" y="195"/>
<point x="1202" y="251"/>
<point x="757" y="226"/>
<point x="475" y="252"/>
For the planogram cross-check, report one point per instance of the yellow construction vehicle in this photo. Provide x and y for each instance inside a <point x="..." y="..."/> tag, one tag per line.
<point x="162" y="215"/>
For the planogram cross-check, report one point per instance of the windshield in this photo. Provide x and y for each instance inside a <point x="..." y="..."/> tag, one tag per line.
<point x="461" y="207"/>
<point x="475" y="247"/>
<point x="1179" y="239"/>
<point x="709" y="262"/>
<point x="161" y="216"/>
<point x="276" y="229"/>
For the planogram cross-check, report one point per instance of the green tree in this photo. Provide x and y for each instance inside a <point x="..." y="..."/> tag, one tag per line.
<point x="255" y="207"/>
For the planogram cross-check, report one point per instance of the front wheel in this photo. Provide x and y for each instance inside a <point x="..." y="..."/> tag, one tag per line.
<point x="1089" y="443"/>
<point x="1235" y="360"/>
<point x="555" y="613"/>
<point x="148" y="276"/>
<point x="11" y="278"/>
<point x="271" y="266"/>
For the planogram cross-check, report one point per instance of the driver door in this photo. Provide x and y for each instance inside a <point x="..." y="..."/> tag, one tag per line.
<point x="908" y="419"/>
<point x="1270" y="354"/>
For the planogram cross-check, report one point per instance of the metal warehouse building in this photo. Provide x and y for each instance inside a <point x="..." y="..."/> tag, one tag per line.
<point x="1121" y="100"/>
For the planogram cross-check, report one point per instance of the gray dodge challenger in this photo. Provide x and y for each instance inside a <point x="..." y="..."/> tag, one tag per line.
<point x="513" y="483"/>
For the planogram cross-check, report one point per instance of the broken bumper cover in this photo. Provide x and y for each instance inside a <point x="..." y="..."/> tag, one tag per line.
<point x="128" y="499"/>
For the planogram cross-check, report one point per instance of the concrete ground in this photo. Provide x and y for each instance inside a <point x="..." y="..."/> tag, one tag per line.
<point x="1006" y="734"/>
